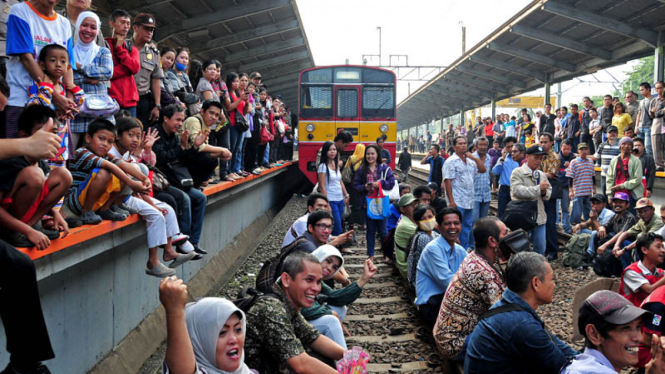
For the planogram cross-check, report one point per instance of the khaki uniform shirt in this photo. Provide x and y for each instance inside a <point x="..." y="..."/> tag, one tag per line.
<point x="151" y="67"/>
<point x="276" y="331"/>
<point x="195" y="125"/>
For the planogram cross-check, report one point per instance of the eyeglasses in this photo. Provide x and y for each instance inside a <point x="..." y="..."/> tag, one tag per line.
<point x="148" y="28"/>
<point x="322" y="226"/>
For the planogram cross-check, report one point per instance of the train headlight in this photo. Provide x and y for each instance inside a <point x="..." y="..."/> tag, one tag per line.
<point x="310" y="127"/>
<point x="383" y="128"/>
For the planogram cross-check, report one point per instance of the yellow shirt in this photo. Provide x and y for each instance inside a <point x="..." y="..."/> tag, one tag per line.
<point x="528" y="141"/>
<point x="621" y="122"/>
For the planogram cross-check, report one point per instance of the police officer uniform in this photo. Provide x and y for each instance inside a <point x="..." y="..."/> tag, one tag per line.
<point x="150" y="69"/>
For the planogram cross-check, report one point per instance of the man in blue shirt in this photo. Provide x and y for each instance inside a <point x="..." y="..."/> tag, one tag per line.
<point x="435" y="162"/>
<point x="438" y="264"/>
<point x="504" y="168"/>
<point x="511" y="337"/>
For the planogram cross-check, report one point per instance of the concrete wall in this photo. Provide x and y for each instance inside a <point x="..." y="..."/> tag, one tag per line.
<point x="96" y="293"/>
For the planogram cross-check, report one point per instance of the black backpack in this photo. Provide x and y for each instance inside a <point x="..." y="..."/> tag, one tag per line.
<point x="271" y="269"/>
<point x="249" y="296"/>
<point x="607" y="265"/>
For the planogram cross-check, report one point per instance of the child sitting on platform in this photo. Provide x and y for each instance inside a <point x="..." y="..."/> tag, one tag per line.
<point x="28" y="190"/>
<point x="99" y="177"/>
<point x="161" y="220"/>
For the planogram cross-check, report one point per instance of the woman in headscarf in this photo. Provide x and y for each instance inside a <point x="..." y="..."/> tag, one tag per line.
<point x="356" y="200"/>
<point x="204" y="337"/>
<point x="328" y="318"/>
<point x="93" y="70"/>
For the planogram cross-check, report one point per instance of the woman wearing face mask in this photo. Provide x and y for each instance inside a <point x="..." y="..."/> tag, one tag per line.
<point x="328" y="318"/>
<point x="204" y="337"/>
<point x="94" y="68"/>
<point x="176" y="80"/>
<point x="424" y="217"/>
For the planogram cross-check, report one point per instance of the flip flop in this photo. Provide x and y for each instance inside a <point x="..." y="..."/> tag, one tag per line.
<point x="181" y="259"/>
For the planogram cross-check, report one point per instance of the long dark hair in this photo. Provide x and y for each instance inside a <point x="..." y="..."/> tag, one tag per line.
<point x="195" y="71"/>
<point x="365" y="164"/>
<point x="324" y="158"/>
<point x="230" y="77"/>
<point x="417" y="216"/>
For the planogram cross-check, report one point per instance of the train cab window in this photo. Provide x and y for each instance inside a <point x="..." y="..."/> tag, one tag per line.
<point x="316" y="101"/>
<point x="347" y="103"/>
<point x="378" y="101"/>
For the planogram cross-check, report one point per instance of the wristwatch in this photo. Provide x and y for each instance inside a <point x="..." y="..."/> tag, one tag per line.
<point x="158" y="107"/>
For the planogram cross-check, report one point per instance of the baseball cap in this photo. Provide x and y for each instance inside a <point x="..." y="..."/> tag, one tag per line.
<point x="610" y="306"/>
<point x="612" y="128"/>
<point x="582" y="145"/>
<point x="625" y="140"/>
<point x="621" y="196"/>
<point x="406" y="199"/>
<point x="599" y="197"/>
<point x="255" y="74"/>
<point x="144" y="19"/>
<point x="535" y="150"/>
<point x="643" y="203"/>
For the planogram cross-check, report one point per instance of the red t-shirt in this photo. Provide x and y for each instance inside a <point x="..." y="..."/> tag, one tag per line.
<point x="240" y="108"/>
<point x="489" y="130"/>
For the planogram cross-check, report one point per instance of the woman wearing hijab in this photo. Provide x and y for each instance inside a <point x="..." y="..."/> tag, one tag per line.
<point x="93" y="70"/>
<point x="204" y="337"/>
<point x="328" y="319"/>
<point x="356" y="200"/>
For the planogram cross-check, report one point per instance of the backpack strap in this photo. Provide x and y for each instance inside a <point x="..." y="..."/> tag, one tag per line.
<point x="510" y="307"/>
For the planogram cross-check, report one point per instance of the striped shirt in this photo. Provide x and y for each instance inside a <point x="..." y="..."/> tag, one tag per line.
<point x="606" y="152"/>
<point x="582" y="173"/>
<point x="83" y="163"/>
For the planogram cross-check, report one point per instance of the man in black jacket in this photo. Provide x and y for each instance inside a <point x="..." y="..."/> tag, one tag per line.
<point x="405" y="163"/>
<point x="648" y="164"/>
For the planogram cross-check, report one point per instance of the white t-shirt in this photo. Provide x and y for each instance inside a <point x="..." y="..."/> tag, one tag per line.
<point x="29" y="32"/>
<point x="298" y="228"/>
<point x="634" y="281"/>
<point x="333" y="184"/>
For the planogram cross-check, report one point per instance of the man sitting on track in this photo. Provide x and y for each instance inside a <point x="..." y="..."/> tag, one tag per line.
<point x="315" y="201"/>
<point x="649" y="222"/>
<point x="437" y="265"/>
<point x="511" y="337"/>
<point x="476" y="286"/>
<point x="276" y="331"/>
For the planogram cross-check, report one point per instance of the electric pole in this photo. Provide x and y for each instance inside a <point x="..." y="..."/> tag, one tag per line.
<point x="463" y="37"/>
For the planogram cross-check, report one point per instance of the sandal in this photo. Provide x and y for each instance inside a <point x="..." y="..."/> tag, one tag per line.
<point x="229" y="179"/>
<point x="160" y="271"/>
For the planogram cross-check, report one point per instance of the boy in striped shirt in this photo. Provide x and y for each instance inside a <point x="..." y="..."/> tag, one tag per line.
<point x="582" y="172"/>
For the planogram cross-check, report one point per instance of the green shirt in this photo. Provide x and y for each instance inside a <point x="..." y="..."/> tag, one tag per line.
<point x="642" y="228"/>
<point x="276" y="331"/>
<point x="404" y="231"/>
<point x="336" y="297"/>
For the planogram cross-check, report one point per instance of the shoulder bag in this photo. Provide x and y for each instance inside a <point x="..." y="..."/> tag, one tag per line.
<point x="393" y="193"/>
<point x="160" y="182"/>
<point x="241" y="122"/>
<point x="522" y="214"/>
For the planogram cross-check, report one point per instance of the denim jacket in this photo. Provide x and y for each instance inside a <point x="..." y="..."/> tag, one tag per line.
<point x="515" y="342"/>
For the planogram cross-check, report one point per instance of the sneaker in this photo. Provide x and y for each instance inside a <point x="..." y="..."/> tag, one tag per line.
<point x="119" y="210"/>
<point x="90" y="218"/>
<point x="160" y="271"/>
<point x="51" y="234"/>
<point x="128" y="209"/>
<point x="185" y="247"/>
<point x="18" y="240"/>
<point x="178" y="239"/>
<point x="110" y="215"/>
<point x="256" y="171"/>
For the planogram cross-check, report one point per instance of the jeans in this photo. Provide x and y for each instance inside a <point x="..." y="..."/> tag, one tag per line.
<point x="337" y="208"/>
<point x="467" y="225"/>
<point x="222" y="139"/>
<point x="552" y="241"/>
<point x="565" y="210"/>
<point x="330" y="326"/>
<point x="131" y="110"/>
<point x="480" y="210"/>
<point x="192" y="208"/>
<point x="235" y="148"/>
<point x="238" y="167"/>
<point x="374" y="225"/>
<point x="581" y="206"/>
<point x="645" y="133"/>
<point x="503" y="199"/>
<point x="266" y="155"/>
<point x="538" y="236"/>
<point x="28" y="341"/>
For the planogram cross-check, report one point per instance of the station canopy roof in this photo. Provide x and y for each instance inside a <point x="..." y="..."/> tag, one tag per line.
<point x="245" y="36"/>
<point x="548" y="41"/>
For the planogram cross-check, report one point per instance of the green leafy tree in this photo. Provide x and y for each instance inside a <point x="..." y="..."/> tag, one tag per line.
<point x="641" y="72"/>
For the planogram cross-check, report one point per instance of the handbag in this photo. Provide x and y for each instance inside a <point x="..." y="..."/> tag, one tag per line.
<point x="241" y="122"/>
<point x="186" y="97"/>
<point x="522" y="214"/>
<point x="378" y="205"/>
<point x="99" y="105"/>
<point x="557" y="191"/>
<point x="347" y="211"/>
<point x="393" y="193"/>
<point x="266" y="137"/>
<point x="160" y="182"/>
<point x="515" y="242"/>
<point x="178" y="175"/>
